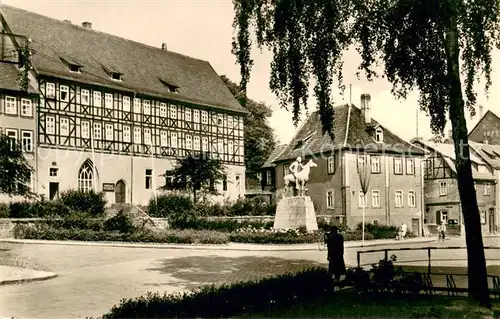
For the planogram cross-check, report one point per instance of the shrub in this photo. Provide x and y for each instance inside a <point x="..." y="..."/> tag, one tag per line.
<point x="357" y="235"/>
<point x="384" y="277"/>
<point x="77" y="220"/>
<point x="323" y="224"/>
<point x="272" y="236"/>
<point x="46" y="232"/>
<point x="90" y="202"/>
<point x="169" y="205"/>
<point x="120" y="222"/>
<point x="205" y="208"/>
<point x="219" y="225"/>
<point x="228" y="300"/>
<point x="4" y="210"/>
<point x="380" y="231"/>
<point x="40" y="209"/>
<point x="20" y="209"/>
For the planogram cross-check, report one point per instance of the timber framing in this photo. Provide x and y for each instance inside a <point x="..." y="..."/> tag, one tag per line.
<point x="169" y="128"/>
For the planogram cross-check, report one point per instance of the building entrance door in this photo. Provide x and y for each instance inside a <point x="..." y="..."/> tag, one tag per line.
<point x="415" y="226"/>
<point x="491" y="220"/>
<point x="53" y="190"/>
<point x="120" y="192"/>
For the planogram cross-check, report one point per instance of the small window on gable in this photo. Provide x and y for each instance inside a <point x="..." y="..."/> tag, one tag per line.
<point x="379" y="135"/>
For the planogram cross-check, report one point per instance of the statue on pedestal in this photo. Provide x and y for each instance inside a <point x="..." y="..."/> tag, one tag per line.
<point x="299" y="177"/>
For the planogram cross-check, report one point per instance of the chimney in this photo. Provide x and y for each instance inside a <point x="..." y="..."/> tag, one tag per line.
<point x="67" y="21"/>
<point x="366" y="108"/>
<point x="87" y="25"/>
<point x="480" y="111"/>
<point x="164" y="46"/>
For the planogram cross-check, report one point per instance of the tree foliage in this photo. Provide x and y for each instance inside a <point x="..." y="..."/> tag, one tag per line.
<point x="26" y="66"/>
<point x="426" y="45"/>
<point x="195" y="174"/>
<point x="309" y="38"/>
<point x="15" y="171"/>
<point x="259" y="135"/>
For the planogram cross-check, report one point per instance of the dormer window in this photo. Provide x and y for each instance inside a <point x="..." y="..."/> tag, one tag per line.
<point x="302" y="142"/>
<point x="116" y="76"/>
<point x="379" y="135"/>
<point x="112" y="72"/>
<point x="75" y="68"/>
<point x="170" y="84"/>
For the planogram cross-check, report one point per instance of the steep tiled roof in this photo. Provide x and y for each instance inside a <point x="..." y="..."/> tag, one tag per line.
<point x="145" y="69"/>
<point x="9" y="78"/>
<point x="489" y="153"/>
<point x="314" y="142"/>
<point x="447" y="151"/>
<point x="274" y="154"/>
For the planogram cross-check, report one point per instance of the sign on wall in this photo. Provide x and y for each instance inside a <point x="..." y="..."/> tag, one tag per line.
<point x="108" y="187"/>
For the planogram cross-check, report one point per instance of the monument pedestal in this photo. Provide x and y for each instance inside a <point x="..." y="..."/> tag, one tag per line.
<point x="294" y="212"/>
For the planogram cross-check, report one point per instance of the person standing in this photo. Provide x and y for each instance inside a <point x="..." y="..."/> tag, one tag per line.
<point x="335" y="245"/>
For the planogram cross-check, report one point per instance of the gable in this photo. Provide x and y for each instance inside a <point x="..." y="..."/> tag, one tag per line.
<point x="487" y="129"/>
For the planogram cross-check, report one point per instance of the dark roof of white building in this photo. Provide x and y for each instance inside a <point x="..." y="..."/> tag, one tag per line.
<point x="144" y="69"/>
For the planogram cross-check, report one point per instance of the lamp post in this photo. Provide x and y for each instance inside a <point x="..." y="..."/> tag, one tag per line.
<point x="364" y="173"/>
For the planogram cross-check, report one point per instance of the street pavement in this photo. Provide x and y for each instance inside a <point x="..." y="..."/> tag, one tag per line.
<point x="92" y="278"/>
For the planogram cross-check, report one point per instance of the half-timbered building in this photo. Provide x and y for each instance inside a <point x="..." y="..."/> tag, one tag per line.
<point x="442" y="200"/>
<point x="392" y="166"/>
<point x="113" y="114"/>
<point x="17" y="109"/>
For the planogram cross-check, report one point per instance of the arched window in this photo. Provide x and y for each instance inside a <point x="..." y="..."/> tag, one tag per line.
<point x="86" y="176"/>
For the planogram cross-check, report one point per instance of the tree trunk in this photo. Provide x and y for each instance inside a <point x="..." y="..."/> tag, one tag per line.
<point x="477" y="275"/>
<point x="194" y="195"/>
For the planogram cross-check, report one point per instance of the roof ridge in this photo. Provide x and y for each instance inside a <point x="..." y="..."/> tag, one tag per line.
<point x="102" y="32"/>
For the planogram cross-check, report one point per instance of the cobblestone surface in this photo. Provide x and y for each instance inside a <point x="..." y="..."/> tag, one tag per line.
<point x="93" y="279"/>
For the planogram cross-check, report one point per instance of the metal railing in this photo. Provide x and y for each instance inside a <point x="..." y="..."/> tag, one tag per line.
<point x="451" y="287"/>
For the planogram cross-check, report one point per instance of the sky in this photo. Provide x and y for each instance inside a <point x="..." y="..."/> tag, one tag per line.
<point x="203" y="29"/>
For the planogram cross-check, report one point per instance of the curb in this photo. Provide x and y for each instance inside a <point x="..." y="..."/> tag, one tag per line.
<point x="46" y="276"/>
<point x="230" y="246"/>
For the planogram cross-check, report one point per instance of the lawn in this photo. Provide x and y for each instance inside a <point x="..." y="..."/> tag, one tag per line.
<point x="347" y="304"/>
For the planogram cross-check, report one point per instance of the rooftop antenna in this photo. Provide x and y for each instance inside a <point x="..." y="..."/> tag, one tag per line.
<point x="417" y="125"/>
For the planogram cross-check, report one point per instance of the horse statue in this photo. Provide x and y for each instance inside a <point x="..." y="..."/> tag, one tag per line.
<point x="302" y="179"/>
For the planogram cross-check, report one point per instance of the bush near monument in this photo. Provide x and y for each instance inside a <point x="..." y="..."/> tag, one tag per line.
<point x="174" y="204"/>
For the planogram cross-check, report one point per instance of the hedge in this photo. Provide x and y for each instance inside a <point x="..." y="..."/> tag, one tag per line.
<point x="175" y="204"/>
<point x="71" y="201"/>
<point x="168" y="236"/>
<point x="228" y="300"/>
